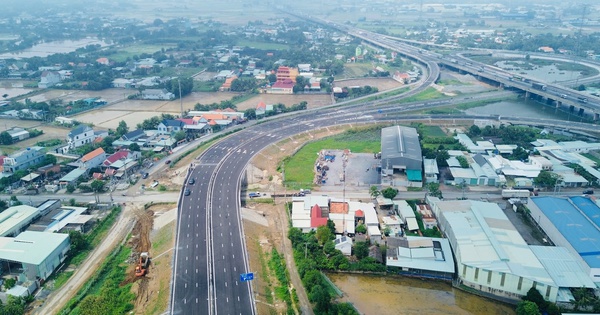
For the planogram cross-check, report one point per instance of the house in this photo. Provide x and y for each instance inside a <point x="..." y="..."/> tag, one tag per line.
<point x="170" y="126"/>
<point x="18" y="134"/>
<point x="49" y="79"/>
<point x="420" y="256"/>
<point x="122" y="83"/>
<point x="24" y="159"/>
<point x="103" y="61"/>
<point x="121" y="155"/>
<point x="261" y="108"/>
<point x="343" y="244"/>
<point x="157" y="94"/>
<point x="146" y="63"/>
<point x="227" y="84"/>
<point x="64" y="120"/>
<point x="430" y="168"/>
<point x="282" y="87"/>
<point x="81" y="135"/>
<point x="133" y="135"/>
<point x="286" y="74"/>
<point x="92" y="159"/>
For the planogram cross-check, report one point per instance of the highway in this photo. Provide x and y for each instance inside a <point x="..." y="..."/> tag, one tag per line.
<point x="210" y="251"/>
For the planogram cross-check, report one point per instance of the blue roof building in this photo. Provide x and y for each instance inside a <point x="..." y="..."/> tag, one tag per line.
<point x="574" y="223"/>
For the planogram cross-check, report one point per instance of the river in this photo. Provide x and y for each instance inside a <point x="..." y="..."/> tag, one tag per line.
<point x="393" y="295"/>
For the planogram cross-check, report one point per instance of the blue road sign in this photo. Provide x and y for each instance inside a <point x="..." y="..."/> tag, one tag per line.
<point x="246" y="276"/>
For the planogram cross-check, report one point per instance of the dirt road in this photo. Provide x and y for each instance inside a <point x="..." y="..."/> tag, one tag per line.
<point x="59" y="298"/>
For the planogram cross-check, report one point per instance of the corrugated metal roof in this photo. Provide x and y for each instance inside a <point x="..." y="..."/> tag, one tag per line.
<point x="30" y="247"/>
<point x="564" y="269"/>
<point x="573" y="218"/>
<point x="399" y="141"/>
<point x="485" y="238"/>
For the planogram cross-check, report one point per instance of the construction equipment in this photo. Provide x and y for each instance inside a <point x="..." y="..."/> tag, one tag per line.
<point x="142" y="267"/>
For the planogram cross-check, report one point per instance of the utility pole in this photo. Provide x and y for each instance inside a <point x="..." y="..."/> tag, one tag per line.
<point x="180" y="97"/>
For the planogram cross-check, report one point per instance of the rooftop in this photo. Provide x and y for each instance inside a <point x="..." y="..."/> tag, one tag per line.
<point x="14" y="217"/>
<point x="576" y="218"/>
<point x="483" y="237"/>
<point x="30" y="247"/>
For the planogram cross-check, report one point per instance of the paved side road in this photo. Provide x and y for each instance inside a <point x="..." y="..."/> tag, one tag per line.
<point x="59" y="298"/>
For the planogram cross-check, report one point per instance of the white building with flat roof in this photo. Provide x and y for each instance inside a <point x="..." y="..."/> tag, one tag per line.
<point x="491" y="255"/>
<point x="40" y="253"/>
<point x="423" y="256"/>
<point x="15" y="219"/>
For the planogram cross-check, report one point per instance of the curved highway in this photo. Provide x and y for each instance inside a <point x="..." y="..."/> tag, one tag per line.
<point x="210" y="253"/>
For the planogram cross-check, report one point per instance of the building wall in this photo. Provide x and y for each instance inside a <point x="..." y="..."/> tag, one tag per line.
<point x="502" y="284"/>
<point x="47" y="267"/>
<point x="81" y="139"/>
<point x="23" y="160"/>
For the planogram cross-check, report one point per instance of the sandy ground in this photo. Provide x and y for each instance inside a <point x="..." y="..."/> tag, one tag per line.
<point x="382" y="84"/>
<point x="109" y="95"/>
<point x="313" y="100"/>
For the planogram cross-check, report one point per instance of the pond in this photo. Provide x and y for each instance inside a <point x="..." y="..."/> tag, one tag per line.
<point x="392" y="295"/>
<point x="46" y="49"/>
<point x="549" y="73"/>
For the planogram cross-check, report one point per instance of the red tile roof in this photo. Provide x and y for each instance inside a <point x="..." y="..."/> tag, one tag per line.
<point x="121" y="154"/>
<point x="261" y="105"/>
<point x="316" y="218"/>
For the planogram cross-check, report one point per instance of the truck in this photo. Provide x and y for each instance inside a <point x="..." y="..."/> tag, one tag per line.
<point x="515" y="193"/>
<point x="582" y="99"/>
<point x="538" y="86"/>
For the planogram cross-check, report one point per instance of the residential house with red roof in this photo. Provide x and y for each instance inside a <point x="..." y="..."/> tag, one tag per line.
<point x="282" y="87"/>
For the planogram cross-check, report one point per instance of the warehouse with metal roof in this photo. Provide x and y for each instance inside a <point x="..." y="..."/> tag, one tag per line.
<point x="37" y="254"/>
<point x="491" y="255"/>
<point x="571" y="222"/>
<point x="401" y="158"/>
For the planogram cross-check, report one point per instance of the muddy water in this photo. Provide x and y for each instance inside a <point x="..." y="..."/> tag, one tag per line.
<point x="378" y="295"/>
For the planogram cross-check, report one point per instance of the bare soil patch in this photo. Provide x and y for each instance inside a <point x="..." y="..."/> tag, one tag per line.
<point x="151" y="290"/>
<point x="313" y="100"/>
<point x="382" y="84"/>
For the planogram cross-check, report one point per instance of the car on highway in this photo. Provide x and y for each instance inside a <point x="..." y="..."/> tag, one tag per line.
<point x="145" y="175"/>
<point x="191" y="181"/>
<point x="168" y="162"/>
<point x="563" y="95"/>
<point x="186" y="192"/>
<point x="588" y="192"/>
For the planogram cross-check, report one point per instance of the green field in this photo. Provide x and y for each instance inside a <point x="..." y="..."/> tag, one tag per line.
<point x="355" y="70"/>
<point x="137" y="49"/>
<point x="262" y="45"/>
<point x="429" y="94"/>
<point x="299" y="167"/>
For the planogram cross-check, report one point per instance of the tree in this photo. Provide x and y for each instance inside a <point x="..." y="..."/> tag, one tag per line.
<point x="134" y="147"/>
<point x="361" y="250"/>
<point x="389" y="192"/>
<point x="179" y="135"/>
<point x="323" y="234"/>
<point x="434" y="190"/>
<point x="97" y="186"/>
<point x="546" y="179"/>
<point x="462" y="161"/>
<point x="122" y="129"/>
<point x="527" y="308"/>
<point x="361" y="229"/>
<point x="5" y="138"/>
<point x="474" y="131"/>
<point x="78" y="241"/>
<point x="331" y="226"/>
<point x="374" y="192"/>
<point x="14" y="201"/>
<point x="321" y="298"/>
<point x="250" y="113"/>
<point x="70" y="188"/>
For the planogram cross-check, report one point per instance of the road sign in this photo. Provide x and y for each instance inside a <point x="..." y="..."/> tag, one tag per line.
<point x="246" y="276"/>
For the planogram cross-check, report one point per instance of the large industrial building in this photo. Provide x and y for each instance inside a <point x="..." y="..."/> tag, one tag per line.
<point x="401" y="159"/>
<point x="573" y="223"/>
<point x="37" y="254"/>
<point x="492" y="257"/>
